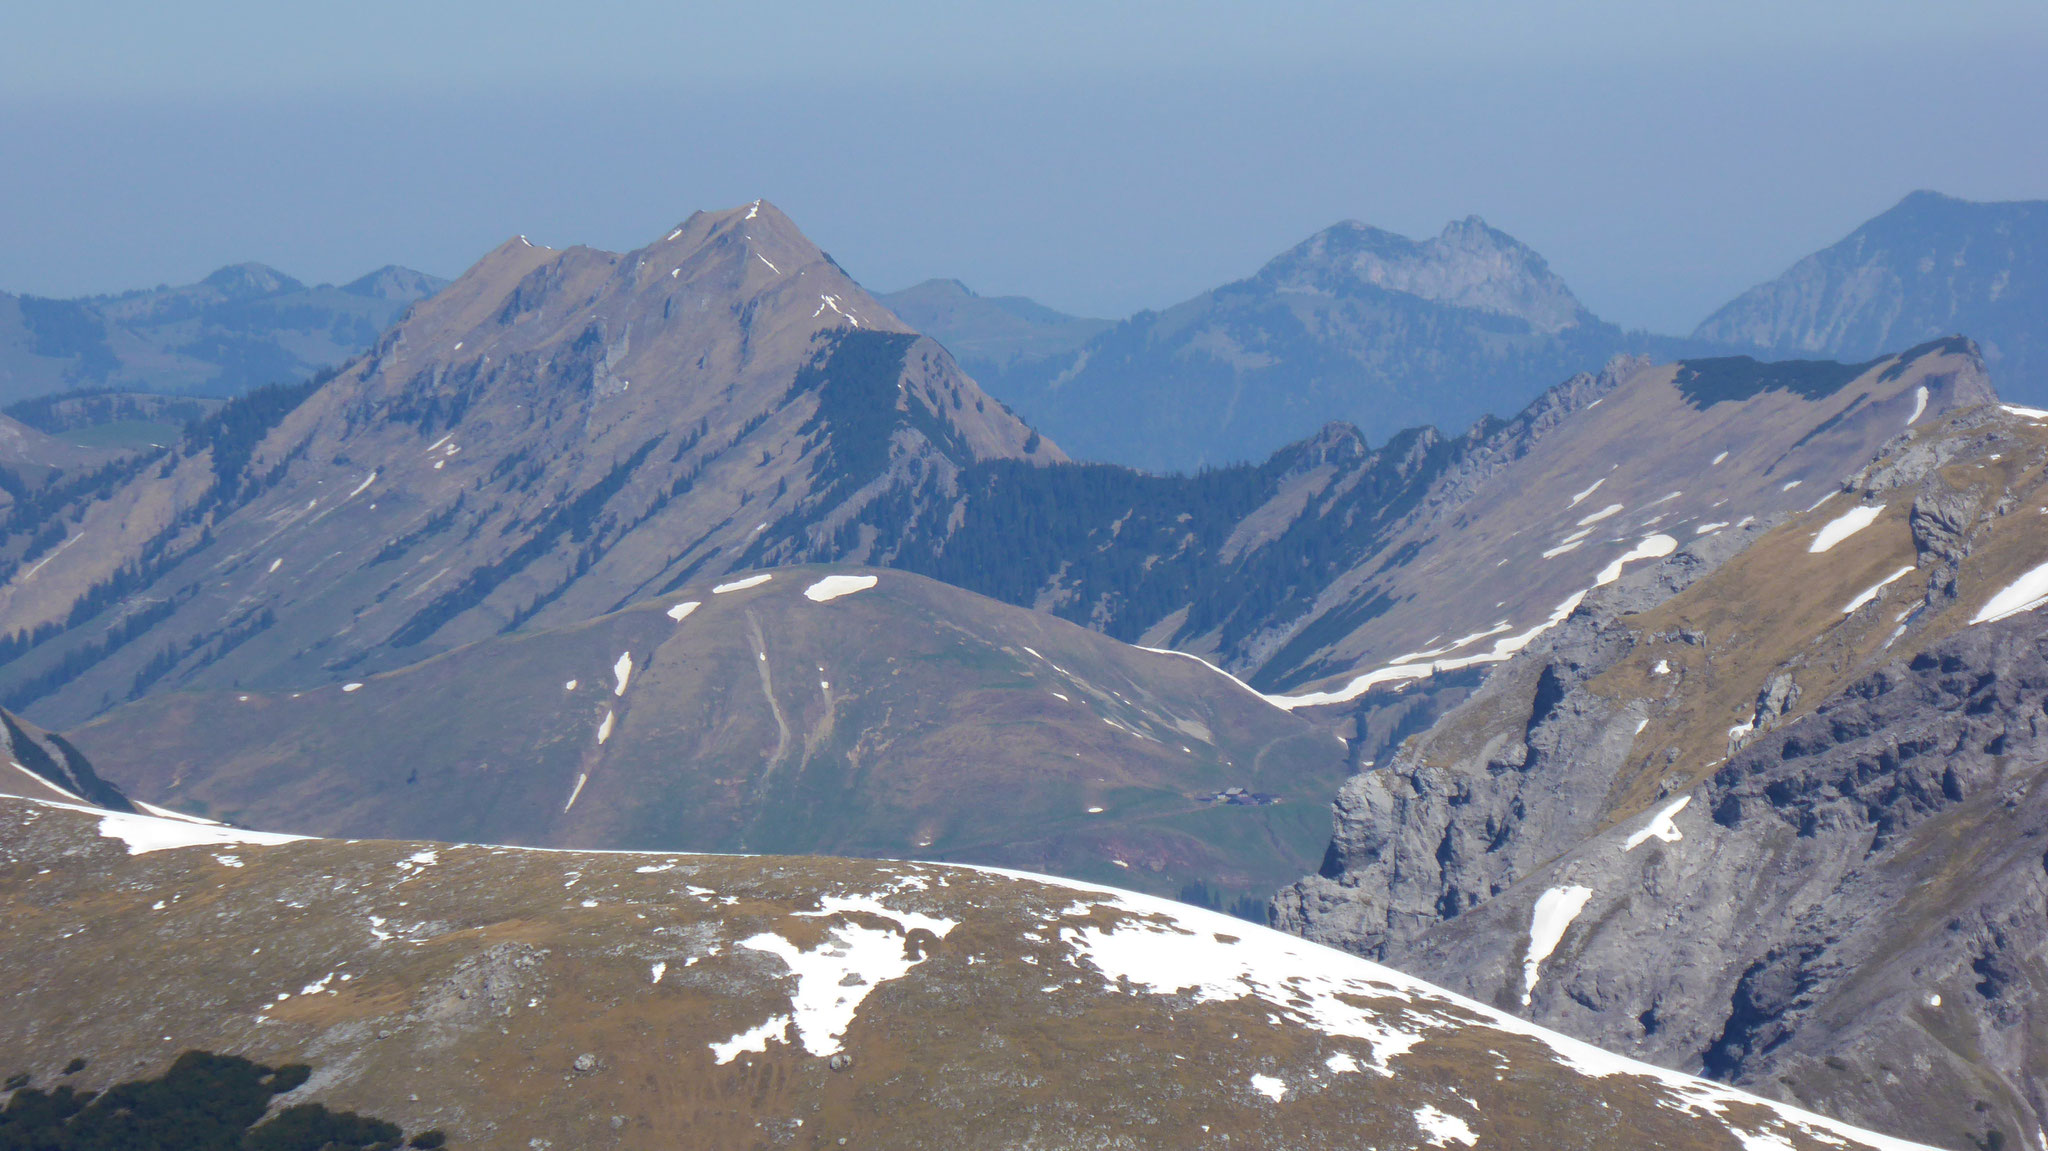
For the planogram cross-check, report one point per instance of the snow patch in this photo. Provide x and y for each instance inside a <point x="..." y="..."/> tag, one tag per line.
<point x="681" y="611"/>
<point x="1870" y="593"/>
<point x="349" y="687"/>
<point x="1555" y="909"/>
<point x="834" y="586"/>
<point x="1650" y="547"/>
<point x="581" y="779"/>
<point x="1271" y="1088"/>
<point x="1717" y="460"/>
<point x="1503" y="649"/>
<point x="658" y="969"/>
<point x="754" y="1039"/>
<point x="742" y="584"/>
<point x="1603" y="513"/>
<point x="1660" y="825"/>
<point x="622" y="671"/>
<point x="367" y="480"/>
<point x="1442" y="1129"/>
<point x="2021" y="595"/>
<point x="1843" y="526"/>
<point x="146" y="833"/>
<point x="833" y="978"/>
<point x="2025" y="413"/>
<point x="1919" y="404"/>
<point x="604" y="732"/>
<point x="1577" y="499"/>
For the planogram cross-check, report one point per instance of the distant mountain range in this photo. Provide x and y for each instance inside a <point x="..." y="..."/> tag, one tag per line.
<point x="1930" y="267"/>
<point x="989" y="333"/>
<point x="1354" y="324"/>
<point x="1369" y="328"/>
<point x="1690" y="709"/>
<point x="243" y="326"/>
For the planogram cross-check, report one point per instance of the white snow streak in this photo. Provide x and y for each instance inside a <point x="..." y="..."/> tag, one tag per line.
<point x="1919" y="404"/>
<point x="622" y="671"/>
<point x="1555" y="909"/>
<point x="1603" y="513"/>
<point x="582" y="777"/>
<point x="604" y="732"/>
<point x="681" y="611"/>
<point x="742" y="584"/>
<point x="771" y="267"/>
<point x="2021" y="595"/>
<point x="2025" y="413"/>
<point x="1589" y="491"/>
<point x="146" y="833"/>
<point x="359" y="488"/>
<point x="1870" y="593"/>
<point x="1843" y="526"/>
<point x="1650" y="547"/>
<point x="1503" y="648"/>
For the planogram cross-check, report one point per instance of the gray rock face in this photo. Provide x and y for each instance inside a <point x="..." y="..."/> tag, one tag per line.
<point x="1420" y="843"/>
<point x="1849" y="910"/>
<point x="1848" y="913"/>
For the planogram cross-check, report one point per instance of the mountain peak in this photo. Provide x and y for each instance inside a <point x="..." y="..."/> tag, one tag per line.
<point x="251" y="281"/>
<point x="1469" y="265"/>
<point x="392" y="282"/>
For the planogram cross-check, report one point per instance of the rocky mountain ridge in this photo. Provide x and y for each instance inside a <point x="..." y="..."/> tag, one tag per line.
<point x="1764" y="809"/>
<point x="554" y="435"/>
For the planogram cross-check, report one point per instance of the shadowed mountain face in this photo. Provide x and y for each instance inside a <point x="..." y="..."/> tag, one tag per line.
<point x="810" y="710"/>
<point x="552" y="436"/>
<point x="515" y="998"/>
<point x="1930" y="267"/>
<point x="243" y="326"/>
<point x="1354" y="324"/>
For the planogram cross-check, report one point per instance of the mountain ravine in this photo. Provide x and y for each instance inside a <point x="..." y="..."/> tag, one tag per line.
<point x="1772" y="812"/>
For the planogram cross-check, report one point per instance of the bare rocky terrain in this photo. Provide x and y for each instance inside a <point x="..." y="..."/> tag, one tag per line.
<point x="1765" y="810"/>
<point x="520" y="998"/>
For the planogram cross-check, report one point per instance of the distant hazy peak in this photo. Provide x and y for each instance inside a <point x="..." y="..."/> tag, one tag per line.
<point x="392" y="282"/>
<point x="1928" y="266"/>
<point x="251" y="281"/>
<point x="1468" y="265"/>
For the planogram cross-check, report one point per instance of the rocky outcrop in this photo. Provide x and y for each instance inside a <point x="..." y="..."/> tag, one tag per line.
<point x="1840" y="899"/>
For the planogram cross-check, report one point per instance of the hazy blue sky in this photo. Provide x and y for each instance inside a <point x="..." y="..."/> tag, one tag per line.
<point x="1662" y="156"/>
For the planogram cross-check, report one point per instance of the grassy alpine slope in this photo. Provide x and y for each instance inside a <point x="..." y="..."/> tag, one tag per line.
<point x="520" y="998"/>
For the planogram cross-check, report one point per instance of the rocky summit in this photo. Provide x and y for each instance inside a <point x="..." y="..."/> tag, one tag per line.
<point x="554" y="435"/>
